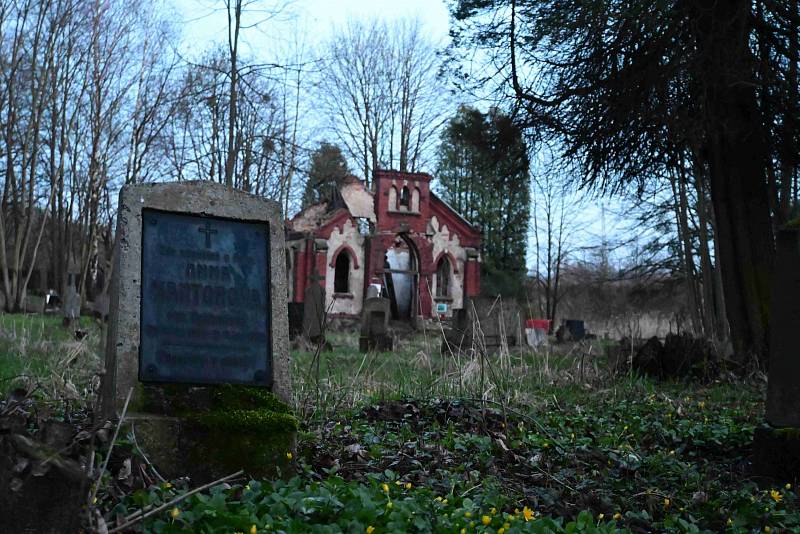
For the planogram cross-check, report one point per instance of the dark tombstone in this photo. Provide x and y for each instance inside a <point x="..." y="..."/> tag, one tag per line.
<point x="195" y="337"/>
<point x="576" y="329"/>
<point x="486" y="324"/>
<point x="34" y="304"/>
<point x="314" y="313"/>
<point x="375" y="326"/>
<point x="295" y="319"/>
<point x="777" y="443"/>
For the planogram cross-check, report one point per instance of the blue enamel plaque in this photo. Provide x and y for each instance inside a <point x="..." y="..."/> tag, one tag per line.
<point x="205" y="308"/>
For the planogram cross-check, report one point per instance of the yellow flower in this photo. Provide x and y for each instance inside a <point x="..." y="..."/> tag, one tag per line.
<point x="444" y="502"/>
<point x="501" y="530"/>
<point x="467" y="514"/>
<point x="438" y="498"/>
<point x="516" y="511"/>
<point x="288" y="455"/>
<point x="385" y="487"/>
<point x="528" y="513"/>
<point x="601" y="516"/>
<point x="166" y="485"/>
<point x="370" y="529"/>
<point x="463" y="531"/>
<point x="666" y="503"/>
<point x="389" y="505"/>
<point x="776" y="495"/>
<point x="788" y="486"/>
<point x="493" y="511"/>
<point x="174" y="513"/>
<point x="408" y="485"/>
<point x="486" y="520"/>
<point x="253" y="529"/>
<point x="617" y="516"/>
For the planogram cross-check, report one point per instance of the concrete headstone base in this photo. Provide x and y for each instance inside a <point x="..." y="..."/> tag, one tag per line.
<point x="180" y="446"/>
<point x="776" y="453"/>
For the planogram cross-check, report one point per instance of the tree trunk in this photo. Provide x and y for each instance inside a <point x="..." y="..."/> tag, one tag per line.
<point x="737" y="158"/>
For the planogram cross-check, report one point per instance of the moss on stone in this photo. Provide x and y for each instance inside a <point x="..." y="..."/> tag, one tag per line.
<point x="248" y="398"/>
<point x="788" y="433"/>
<point x="247" y="410"/>
<point x="259" y="422"/>
<point x="210" y="431"/>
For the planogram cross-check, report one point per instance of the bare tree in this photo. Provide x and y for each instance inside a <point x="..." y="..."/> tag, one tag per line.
<point x="382" y="96"/>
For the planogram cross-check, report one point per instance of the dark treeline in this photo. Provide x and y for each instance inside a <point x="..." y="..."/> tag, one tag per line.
<point x="693" y="103"/>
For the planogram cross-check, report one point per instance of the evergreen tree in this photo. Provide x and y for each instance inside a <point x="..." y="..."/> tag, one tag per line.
<point x="483" y="172"/>
<point x="327" y="170"/>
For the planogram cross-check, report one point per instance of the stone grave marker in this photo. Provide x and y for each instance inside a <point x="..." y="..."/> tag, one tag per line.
<point x="295" y="319"/>
<point x="777" y="444"/>
<point x="314" y="311"/>
<point x="375" y="325"/>
<point x="195" y="333"/>
<point x="71" y="305"/>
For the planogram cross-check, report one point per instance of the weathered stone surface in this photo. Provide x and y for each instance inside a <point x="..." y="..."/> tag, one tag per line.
<point x="314" y="312"/>
<point x="182" y="427"/>
<point x="485" y="323"/>
<point x="123" y="341"/>
<point x="375" y="326"/>
<point x="71" y="305"/>
<point x="295" y="319"/>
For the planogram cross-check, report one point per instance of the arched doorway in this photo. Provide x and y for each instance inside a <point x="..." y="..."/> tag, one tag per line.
<point x="401" y="272"/>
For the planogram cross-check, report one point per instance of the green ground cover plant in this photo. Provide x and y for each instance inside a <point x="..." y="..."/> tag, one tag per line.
<point x="418" y="441"/>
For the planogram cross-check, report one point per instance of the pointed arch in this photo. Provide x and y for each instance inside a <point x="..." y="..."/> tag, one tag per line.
<point x="444" y="276"/>
<point x="405" y="198"/>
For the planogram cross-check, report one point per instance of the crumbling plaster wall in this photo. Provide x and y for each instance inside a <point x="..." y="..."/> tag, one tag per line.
<point x="445" y="242"/>
<point x="349" y="304"/>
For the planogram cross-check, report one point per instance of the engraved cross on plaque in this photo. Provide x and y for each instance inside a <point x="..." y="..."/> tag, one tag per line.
<point x="208" y="231"/>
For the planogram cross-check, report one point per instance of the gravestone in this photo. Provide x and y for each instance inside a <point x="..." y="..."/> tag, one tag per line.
<point x="375" y="326"/>
<point x="34" y="304"/>
<point x="295" y="319"/>
<point x="777" y="443"/>
<point x="484" y="324"/>
<point x="71" y="306"/>
<point x="314" y="311"/>
<point x="194" y="332"/>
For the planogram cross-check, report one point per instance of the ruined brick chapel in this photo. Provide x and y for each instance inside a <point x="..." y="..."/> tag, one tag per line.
<point x="397" y="236"/>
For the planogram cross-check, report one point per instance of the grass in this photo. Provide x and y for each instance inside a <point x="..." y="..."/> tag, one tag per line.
<point x="424" y="441"/>
<point x="36" y="352"/>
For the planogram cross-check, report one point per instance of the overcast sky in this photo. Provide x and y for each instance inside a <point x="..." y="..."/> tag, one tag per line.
<point x="311" y="22"/>
<point x="204" y="21"/>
